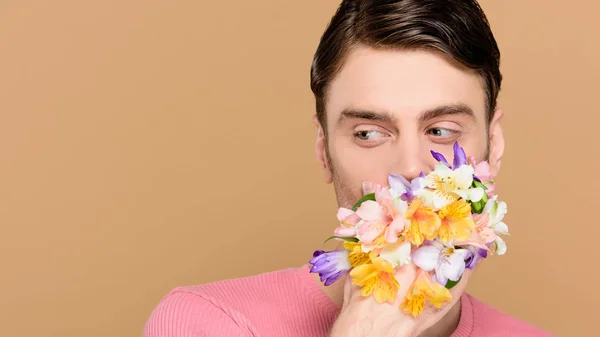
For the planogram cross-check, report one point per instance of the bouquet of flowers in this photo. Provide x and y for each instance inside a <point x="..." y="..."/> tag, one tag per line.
<point x="443" y="222"/>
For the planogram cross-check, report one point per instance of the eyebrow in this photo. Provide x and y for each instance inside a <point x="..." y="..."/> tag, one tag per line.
<point x="366" y="114"/>
<point x="439" y="111"/>
<point x="447" y="110"/>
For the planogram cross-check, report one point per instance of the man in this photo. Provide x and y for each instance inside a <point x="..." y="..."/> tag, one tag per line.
<point x="392" y="81"/>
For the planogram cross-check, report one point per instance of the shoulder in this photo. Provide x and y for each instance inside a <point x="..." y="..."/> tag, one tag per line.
<point x="250" y="291"/>
<point x="488" y="321"/>
<point x="233" y="307"/>
<point x="185" y="313"/>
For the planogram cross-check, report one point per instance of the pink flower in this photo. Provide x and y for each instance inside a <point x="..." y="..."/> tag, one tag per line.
<point x="483" y="230"/>
<point x="374" y="221"/>
<point x="348" y="221"/>
<point x="484" y="174"/>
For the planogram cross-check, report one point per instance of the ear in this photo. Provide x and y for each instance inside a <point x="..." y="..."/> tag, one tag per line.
<point x="321" y="152"/>
<point x="496" y="142"/>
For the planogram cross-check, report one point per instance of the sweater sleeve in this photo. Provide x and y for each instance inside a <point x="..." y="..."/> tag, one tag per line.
<point x="183" y="314"/>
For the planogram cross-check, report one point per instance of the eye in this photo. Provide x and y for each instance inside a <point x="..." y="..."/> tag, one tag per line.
<point x="368" y="135"/>
<point x="441" y="132"/>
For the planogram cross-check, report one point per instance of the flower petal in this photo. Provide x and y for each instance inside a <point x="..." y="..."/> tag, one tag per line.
<point x="472" y="194"/>
<point x="345" y="232"/>
<point x="398" y="254"/>
<point x="427" y="257"/>
<point x="500" y="246"/>
<point x="371" y="211"/>
<point x="367" y="232"/>
<point x="497" y="213"/>
<point x="500" y="228"/>
<point x="454" y="266"/>
<point x="460" y="158"/>
<point x="330" y="265"/>
<point x="344" y="213"/>
<point x="398" y="183"/>
<point x="440" y="158"/>
<point x="395" y="228"/>
<point x="438" y="277"/>
<point x="464" y="177"/>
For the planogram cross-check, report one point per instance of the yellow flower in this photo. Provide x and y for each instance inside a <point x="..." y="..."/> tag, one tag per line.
<point x="423" y="290"/>
<point x="356" y="256"/>
<point x="457" y="222"/>
<point x="424" y="222"/>
<point x="376" y="278"/>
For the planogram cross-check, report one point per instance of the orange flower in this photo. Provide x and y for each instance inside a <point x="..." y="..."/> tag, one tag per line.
<point x="424" y="222"/>
<point x="457" y="222"/>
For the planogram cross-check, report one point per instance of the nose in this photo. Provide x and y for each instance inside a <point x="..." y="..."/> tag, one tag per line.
<point x="410" y="160"/>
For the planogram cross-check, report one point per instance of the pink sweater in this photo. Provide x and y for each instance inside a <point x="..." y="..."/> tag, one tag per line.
<point x="288" y="303"/>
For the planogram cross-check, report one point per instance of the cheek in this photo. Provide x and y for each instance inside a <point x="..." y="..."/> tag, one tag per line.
<point x="476" y="147"/>
<point x="352" y="167"/>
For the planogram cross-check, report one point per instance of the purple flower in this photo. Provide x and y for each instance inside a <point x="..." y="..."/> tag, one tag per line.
<point x="473" y="255"/>
<point x="448" y="262"/>
<point x="401" y="186"/>
<point x="440" y="157"/>
<point x="330" y="265"/>
<point x="460" y="157"/>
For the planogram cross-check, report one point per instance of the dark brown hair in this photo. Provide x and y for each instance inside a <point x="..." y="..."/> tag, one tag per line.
<point x="458" y="29"/>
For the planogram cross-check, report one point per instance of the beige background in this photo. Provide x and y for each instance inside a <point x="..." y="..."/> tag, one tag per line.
<point x="140" y="142"/>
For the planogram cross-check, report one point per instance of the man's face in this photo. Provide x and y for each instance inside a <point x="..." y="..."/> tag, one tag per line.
<point x="387" y="109"/>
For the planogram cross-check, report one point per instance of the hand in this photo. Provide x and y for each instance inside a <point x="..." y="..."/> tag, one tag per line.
<point x="363" y="316"/>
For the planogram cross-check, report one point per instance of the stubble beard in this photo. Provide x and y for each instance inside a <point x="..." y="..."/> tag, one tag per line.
<point x="346" y="195"/>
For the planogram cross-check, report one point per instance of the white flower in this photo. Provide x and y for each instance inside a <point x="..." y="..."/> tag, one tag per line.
<point x="444" y="186"/>
<point x="496" y="211"/>
<point x="397" y="253"/>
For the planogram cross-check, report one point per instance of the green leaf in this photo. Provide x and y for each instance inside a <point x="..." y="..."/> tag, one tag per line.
<point x="450" y="284"/>
<point x="370" y="196"/>
<point x="479" y="184"/>
<point x="342" y="238"/>
<point x="477" y="207"/>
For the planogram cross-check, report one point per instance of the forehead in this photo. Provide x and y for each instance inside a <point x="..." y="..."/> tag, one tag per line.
<point x="401" y="82"/>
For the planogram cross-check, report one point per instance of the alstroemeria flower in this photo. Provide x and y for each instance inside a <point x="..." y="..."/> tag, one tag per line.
<point x="473" y="255"/>
<point x="397" y="253"/>
<point x="482" y="172"/>
<point x="356" y="256"/>
<point x="403" y="188"/>
<point x="424" y="222"/>
<point x="496" y="210"/>
<point x="444" y="185"/>
<point x="348" y="223"/>
<point x="477" y="245"/>
<point x="481" y="225"/>
<point x="384" y="216"/>
<point x="457" y="222"/>
<point x="376" y="278"/>
<point x="374" y="220"/>
<point x="447" y="261"/>
<point x="447" y="183"/>
<point x="330" y="265"/>
<point x="399" y="224"/>
<point x="460" y="157"/>
<point x="396" y="209"/>
<point x="424" y="290"/>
